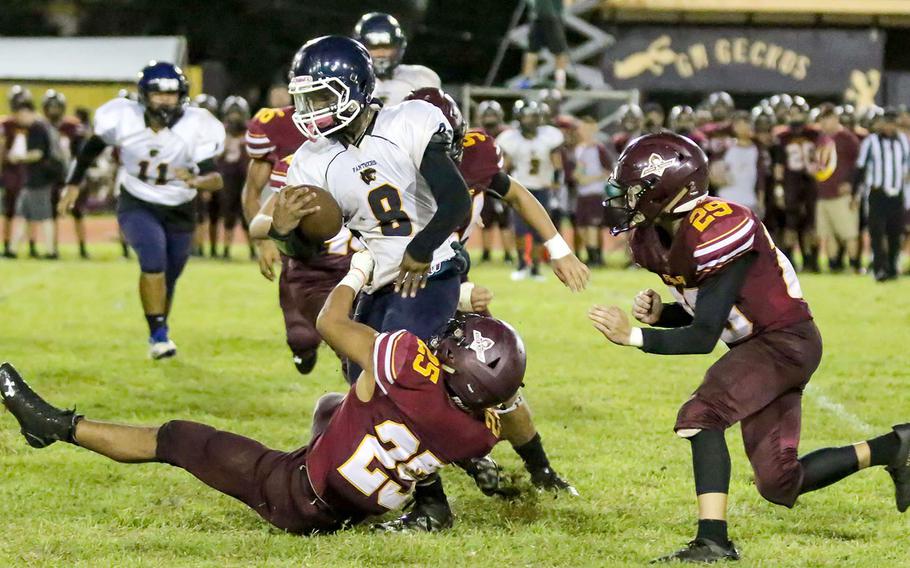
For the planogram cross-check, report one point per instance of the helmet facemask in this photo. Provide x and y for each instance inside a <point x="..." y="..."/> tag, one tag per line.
<point x="321" y="106"/>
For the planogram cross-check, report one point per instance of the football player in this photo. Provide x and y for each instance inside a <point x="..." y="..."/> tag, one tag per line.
<point x="399" y="191"/>
<point x="232" y="164"/>
<point x="795" y="166"/>
<point x="70" y="134"/>
<point x="383" y="37"/>
<point x="495" y="215"/>
<point x="730" y="282"/>
<point x="414" y="408"/>
<point x="682" y="122"/>
<point x="480" y="163"/>
<point x="532" y="155"/>
<point x="631" y="119"/>
<point x="167" y="152"/>
<point x="12" y="173"/>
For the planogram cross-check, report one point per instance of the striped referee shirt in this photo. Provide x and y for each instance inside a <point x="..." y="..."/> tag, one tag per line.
<point x="885" y="161"/>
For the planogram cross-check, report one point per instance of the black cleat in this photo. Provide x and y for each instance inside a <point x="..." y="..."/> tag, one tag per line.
<point x="485" y="473"/>
<point x="702" y="551"/>
<point x="899" y="468"/>
<point x="429" y="515"/>
<point x="41" y="423"/>
<point x="546" y="479"/>
<point x="305" y="361"/>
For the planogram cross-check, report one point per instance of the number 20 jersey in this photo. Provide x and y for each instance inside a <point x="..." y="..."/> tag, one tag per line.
<point x="383" y="197"/>
<point x="372" y="453"/>
<point x="149" y="160"/>
<point x="713" y="235"/>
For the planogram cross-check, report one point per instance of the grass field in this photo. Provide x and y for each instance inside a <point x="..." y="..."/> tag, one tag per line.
<point x="605" y="413"/>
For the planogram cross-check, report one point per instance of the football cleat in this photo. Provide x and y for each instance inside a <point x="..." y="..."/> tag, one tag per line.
<point x="546" y="479"/>
<point x="305" y="361"/>
<point x="428" y="515"/>
<point x="521" y="274"/>
<point x="41" y="423"/>
<point x="485" y="473"/>
<point x="703" y="551"/>
<point x="162" y="349"/>
<point x="899" y="468"/>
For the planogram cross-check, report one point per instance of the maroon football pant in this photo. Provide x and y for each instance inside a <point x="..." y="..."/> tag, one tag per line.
<point x="302" y="290"/>
<point x="760" y="383"/>
<point x="272" y="483"/>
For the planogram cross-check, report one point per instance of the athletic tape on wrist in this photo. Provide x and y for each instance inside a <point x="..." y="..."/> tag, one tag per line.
<point x="557" y="247"/>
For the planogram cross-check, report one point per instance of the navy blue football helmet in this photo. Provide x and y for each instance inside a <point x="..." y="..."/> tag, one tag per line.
<point x="235" y="103"/>
<point x="332" y="82"/>
<point x="206" y="101"/>
<point x="382" y="31"/>
<point x="163" y="77"/>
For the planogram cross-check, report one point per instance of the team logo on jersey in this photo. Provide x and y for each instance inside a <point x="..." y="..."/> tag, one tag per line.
<point x="657" y="165"/>
<point x="480" y="346"/>
<point x="368" y="175"/>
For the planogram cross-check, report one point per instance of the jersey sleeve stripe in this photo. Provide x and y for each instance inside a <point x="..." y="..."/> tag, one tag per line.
<point x="378" y="346"/>
<point x="390" y="354"/>
<point x="720" y="262"/>
<point x="706" y="243"/>
<point x="737" y="236"/>
<point x="256" y="135"/>
<point x="393" y="374"/>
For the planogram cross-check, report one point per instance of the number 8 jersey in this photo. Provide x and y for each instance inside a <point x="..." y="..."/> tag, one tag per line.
<point x="371" y="454"/>
<point x="713" y="235"/>
<point x="149" y="160"/>
<point x="377" y="183"/>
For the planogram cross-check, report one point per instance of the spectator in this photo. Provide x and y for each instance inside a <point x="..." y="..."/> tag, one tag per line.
<point x="35" y="151"/>
<point x="593" y="164"/>
<point x="836" y="222"/>
<point x="738" y="173"/>
<point x="547" y="30"/>
<point x="883" y="162"/>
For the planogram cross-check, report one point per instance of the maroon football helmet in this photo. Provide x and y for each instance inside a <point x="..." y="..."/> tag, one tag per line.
<point x="656" y="174"/>
<point x="484" y="360"/>
<point x="444" y="102"/>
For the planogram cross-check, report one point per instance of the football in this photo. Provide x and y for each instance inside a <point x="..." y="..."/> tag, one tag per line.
<point x="325" y="223"/>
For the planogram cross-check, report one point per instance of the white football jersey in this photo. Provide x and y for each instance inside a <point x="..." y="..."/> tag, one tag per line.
<point x="149" y="160"/>
<point x="383" y="197"/>
<point x="530" y="157"/>
<point x="405" y="78"/>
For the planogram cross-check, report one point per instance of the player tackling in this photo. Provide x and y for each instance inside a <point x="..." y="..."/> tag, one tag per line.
<point x="415" y="407"/>
<point x="730" y="282"/>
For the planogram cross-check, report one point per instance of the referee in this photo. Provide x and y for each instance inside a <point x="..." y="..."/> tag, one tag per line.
<point x="882" y="166"/>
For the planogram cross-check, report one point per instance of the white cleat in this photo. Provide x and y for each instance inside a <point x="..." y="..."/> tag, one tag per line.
<point x="521" y="274"/>
<point x="162" y="349"/>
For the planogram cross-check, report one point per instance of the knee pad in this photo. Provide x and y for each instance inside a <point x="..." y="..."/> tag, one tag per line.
<point x="325" y="409"/>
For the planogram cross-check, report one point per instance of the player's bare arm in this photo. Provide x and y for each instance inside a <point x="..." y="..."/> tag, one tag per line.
<point x="568" y="268"/>
<point x="257" y="176"/>
<point x="207" y="179"/>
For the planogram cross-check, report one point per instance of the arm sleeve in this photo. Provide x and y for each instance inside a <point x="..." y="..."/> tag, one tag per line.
<point x="674" y="315"/>
<point x="500" y="184"/>
<point x="716" y="298"/>
<point x="207" y="166"/>
<point x="453" y="202"/>
<point x="87" y="154"/>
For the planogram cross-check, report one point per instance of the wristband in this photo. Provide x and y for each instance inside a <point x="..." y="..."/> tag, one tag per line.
<point x="354" y="279"/>
<point x="464" y="297"/>
<point x="557" y="247"/>
<point x="636" y="338"/>
<point x="274" y="234"/>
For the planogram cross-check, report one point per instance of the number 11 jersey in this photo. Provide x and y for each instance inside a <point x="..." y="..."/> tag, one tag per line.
<point x="377" y="183"/>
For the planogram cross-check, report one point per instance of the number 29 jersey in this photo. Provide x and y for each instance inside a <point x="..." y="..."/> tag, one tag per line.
<point x="713" y="235"/>
<point x="150" y="160"/>
<point x="383" y="197"/>
<point x="372" y="454"/>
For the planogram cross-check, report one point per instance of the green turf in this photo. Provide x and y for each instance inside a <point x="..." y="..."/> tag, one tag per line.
<point x="75" y="330"/>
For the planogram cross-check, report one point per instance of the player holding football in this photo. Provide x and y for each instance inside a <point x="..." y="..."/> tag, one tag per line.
<point x="167" y="153"/>
<point x="383" y="37"/>
<point x="730" y="282"/>
<point x="480" y="163"/>
<point x="414" y="408"/>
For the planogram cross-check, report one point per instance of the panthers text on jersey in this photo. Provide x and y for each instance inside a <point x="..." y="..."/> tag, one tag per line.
<point x="271" y="134"/>
<point x="383" y="197"/>
<point x="405" y="78"/>
<point x="713" y="235"/>
<point x="480" y="162"/>
<point x="372" y="454"/>
<point x="530" y="157"/>
<point x="150" y="160"/>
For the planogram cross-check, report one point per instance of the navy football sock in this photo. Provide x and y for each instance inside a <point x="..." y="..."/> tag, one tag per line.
<point x="714" y="530"/>
<point x="430" y="488"/>
<point x="157" y="326"/>
<point x="823" y="467"/>
<point x="884" y="448"/>
<point x="710" y="462"/>
<point x="533" y="454"/>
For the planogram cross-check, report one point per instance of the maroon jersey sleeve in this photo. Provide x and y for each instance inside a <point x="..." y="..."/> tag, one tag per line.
<point x="481" y="161"/>
<point x="720" y="233"/>
<point x="279" y="175"/>
<point x="271" y="134"/>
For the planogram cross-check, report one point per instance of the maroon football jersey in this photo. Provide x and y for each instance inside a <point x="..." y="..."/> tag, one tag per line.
<point x="373" y="453"/>
<point x="271" y="134"/>
<point x="481" y="161"/>
<point x="12" y="176"/>
<point x="621" y="140"/>
<point x="233" y="161"/>
<point x="718" y="136"/>
<point x="713" y="235"/>
<point x="71" y="132"/>
<point x="836" y="156"/>
<point x="795" y="149"/>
